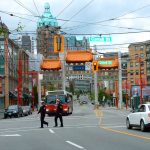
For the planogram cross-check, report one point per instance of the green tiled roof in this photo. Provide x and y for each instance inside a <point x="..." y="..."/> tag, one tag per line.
<point x="47" y="19"/>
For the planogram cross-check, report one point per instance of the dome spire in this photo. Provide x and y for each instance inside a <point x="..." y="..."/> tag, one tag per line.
<point x="46" y="18"/>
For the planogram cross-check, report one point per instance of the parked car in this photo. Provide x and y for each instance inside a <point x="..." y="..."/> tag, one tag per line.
<point x="13" y="111"/>
<point x="27" y="110"/>
<point x="139" y="117"/>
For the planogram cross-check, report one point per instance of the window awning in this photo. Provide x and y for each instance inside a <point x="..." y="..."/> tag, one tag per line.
<point x="50" y="64"/>
<point x="79" y="56"/>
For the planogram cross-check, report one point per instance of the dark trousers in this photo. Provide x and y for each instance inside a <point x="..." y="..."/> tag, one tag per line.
<point x="43" y="122"/>
<point x="60" y="118"/>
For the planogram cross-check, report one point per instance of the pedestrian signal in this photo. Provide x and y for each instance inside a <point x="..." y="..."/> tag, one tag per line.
<point x="58" y="43"/>
<point x="94" y="66"/>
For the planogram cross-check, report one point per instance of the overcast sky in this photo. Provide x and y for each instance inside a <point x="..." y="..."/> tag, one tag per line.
<point x="83" y="16"/>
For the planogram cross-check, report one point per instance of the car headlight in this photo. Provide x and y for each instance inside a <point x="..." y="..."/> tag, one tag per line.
<point x="14" y="111"/>
<point x="47" y="109"/>
<point x="65" y="109"/>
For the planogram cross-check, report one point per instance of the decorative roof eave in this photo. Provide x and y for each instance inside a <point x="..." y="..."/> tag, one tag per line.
<point x="50" y="64"/>
<point x="79" y="56"/>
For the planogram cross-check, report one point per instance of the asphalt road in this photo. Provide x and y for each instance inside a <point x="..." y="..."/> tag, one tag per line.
<point x="85" y="129"/>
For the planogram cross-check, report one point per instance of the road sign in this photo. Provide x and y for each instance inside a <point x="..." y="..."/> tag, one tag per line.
<point x="105" y="62"/>
<point x="87" y="65"/>
<point x="78" y="68"/>
<point x="100" y="39"/>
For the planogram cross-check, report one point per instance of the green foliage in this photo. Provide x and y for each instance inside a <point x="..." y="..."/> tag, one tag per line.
<point x="51" y="87"/>
<point x="102" y="93"/>
<point x="92" y="95"/>
<point x="3" y="30"/>
<point x="71" y="87"/>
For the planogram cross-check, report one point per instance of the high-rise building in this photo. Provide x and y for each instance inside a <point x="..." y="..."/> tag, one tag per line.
<point x="47" y="27"/>
<point x="138" y="67"/>
<point x="26" y="42"/>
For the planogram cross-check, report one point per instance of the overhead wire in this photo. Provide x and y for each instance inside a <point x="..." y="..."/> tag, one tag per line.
<point x="78" y="12"/>
<point x="65" y="8"/>
<point x="36" y="8"/>
<point x="112" y="19"/>
<point x="22" y="5"/>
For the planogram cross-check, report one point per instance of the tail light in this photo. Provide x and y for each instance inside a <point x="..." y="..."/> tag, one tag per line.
<point x="148" y="114"/>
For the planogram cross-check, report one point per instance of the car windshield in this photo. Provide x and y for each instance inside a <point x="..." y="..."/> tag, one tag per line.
<point x="12" y="107"/>
<point x="51" y="99"/>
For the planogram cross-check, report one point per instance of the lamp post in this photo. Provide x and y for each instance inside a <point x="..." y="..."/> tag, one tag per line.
<point x="141" y="94"/>
<point x="126" y="93"/>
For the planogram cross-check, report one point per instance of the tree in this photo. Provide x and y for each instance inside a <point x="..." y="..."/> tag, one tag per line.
<point x="51" y="87"/>
<point x="71" y="87"/>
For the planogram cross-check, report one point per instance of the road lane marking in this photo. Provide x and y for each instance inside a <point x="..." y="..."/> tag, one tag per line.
<point x="76" y="145"/>
<point x="6" y="129"/>
<point x="11" y="135"/>
<point x="116" y="126"/>
<point x="50" y="130"/>
<point x="125" y="133"/>
<point x="39" y="129"/>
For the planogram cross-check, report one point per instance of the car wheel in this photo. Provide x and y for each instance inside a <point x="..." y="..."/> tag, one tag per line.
<point x="142" y="126"/>
<point x="128" y="124"/>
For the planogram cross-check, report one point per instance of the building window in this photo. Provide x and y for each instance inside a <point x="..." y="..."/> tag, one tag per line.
<point x="136" y="48"/>
<point x="131" y="80"/>
<point x="142" y="64"/>
<point x="131" y="64"/>
<point x="124" y="65"/>
<point x="131" y="72"/>
<point x="137" y="72"/>
<point x="136" y="56"/>
<point x="136" y="64"/>
<point x="142" y="71"/>
<point x="141" y="55"/>
<point x="148" y="48"/>
<point x="141" y="47"/>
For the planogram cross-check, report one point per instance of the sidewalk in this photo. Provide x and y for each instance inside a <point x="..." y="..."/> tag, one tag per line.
<point x="123" y="109"/>
<point x="1" y="114"/>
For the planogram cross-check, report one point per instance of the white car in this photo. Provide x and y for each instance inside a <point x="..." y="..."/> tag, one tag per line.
<point x="139" y="117"/>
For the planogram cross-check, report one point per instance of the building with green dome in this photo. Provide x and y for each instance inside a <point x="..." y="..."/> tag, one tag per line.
<point x="47" y="27"/>
<point x="47" y="19"/>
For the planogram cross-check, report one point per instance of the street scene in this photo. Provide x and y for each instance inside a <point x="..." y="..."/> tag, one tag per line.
<point x="74" y="75"/>
<point x="85" y="129"/>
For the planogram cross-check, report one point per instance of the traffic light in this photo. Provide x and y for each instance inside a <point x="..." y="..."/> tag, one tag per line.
<point x="58" y="43"/>
<point x="94" y="66"/>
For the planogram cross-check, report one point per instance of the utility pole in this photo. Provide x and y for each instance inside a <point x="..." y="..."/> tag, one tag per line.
<point x="6" y="71"/>
<point x="63" y="72"/>
<point x="19" y="77"/>
<point x="95" y="82"/>
<point x="126" y="93"/>
<point x="40" y="77"/>
<point x="120" y="80"/>
<point x="141" y="94"/>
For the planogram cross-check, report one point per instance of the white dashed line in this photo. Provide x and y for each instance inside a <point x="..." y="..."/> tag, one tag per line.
<point x="11" y="135"/>
<point x="50" y="130"/>
<point x="76" y="145"/>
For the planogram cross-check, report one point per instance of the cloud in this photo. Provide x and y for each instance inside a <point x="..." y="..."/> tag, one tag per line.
<point x="98" y="10"/>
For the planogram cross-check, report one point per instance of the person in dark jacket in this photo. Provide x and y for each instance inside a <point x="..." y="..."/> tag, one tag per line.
<point x="42" y="111"/>
<point x="58" y="113"/>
